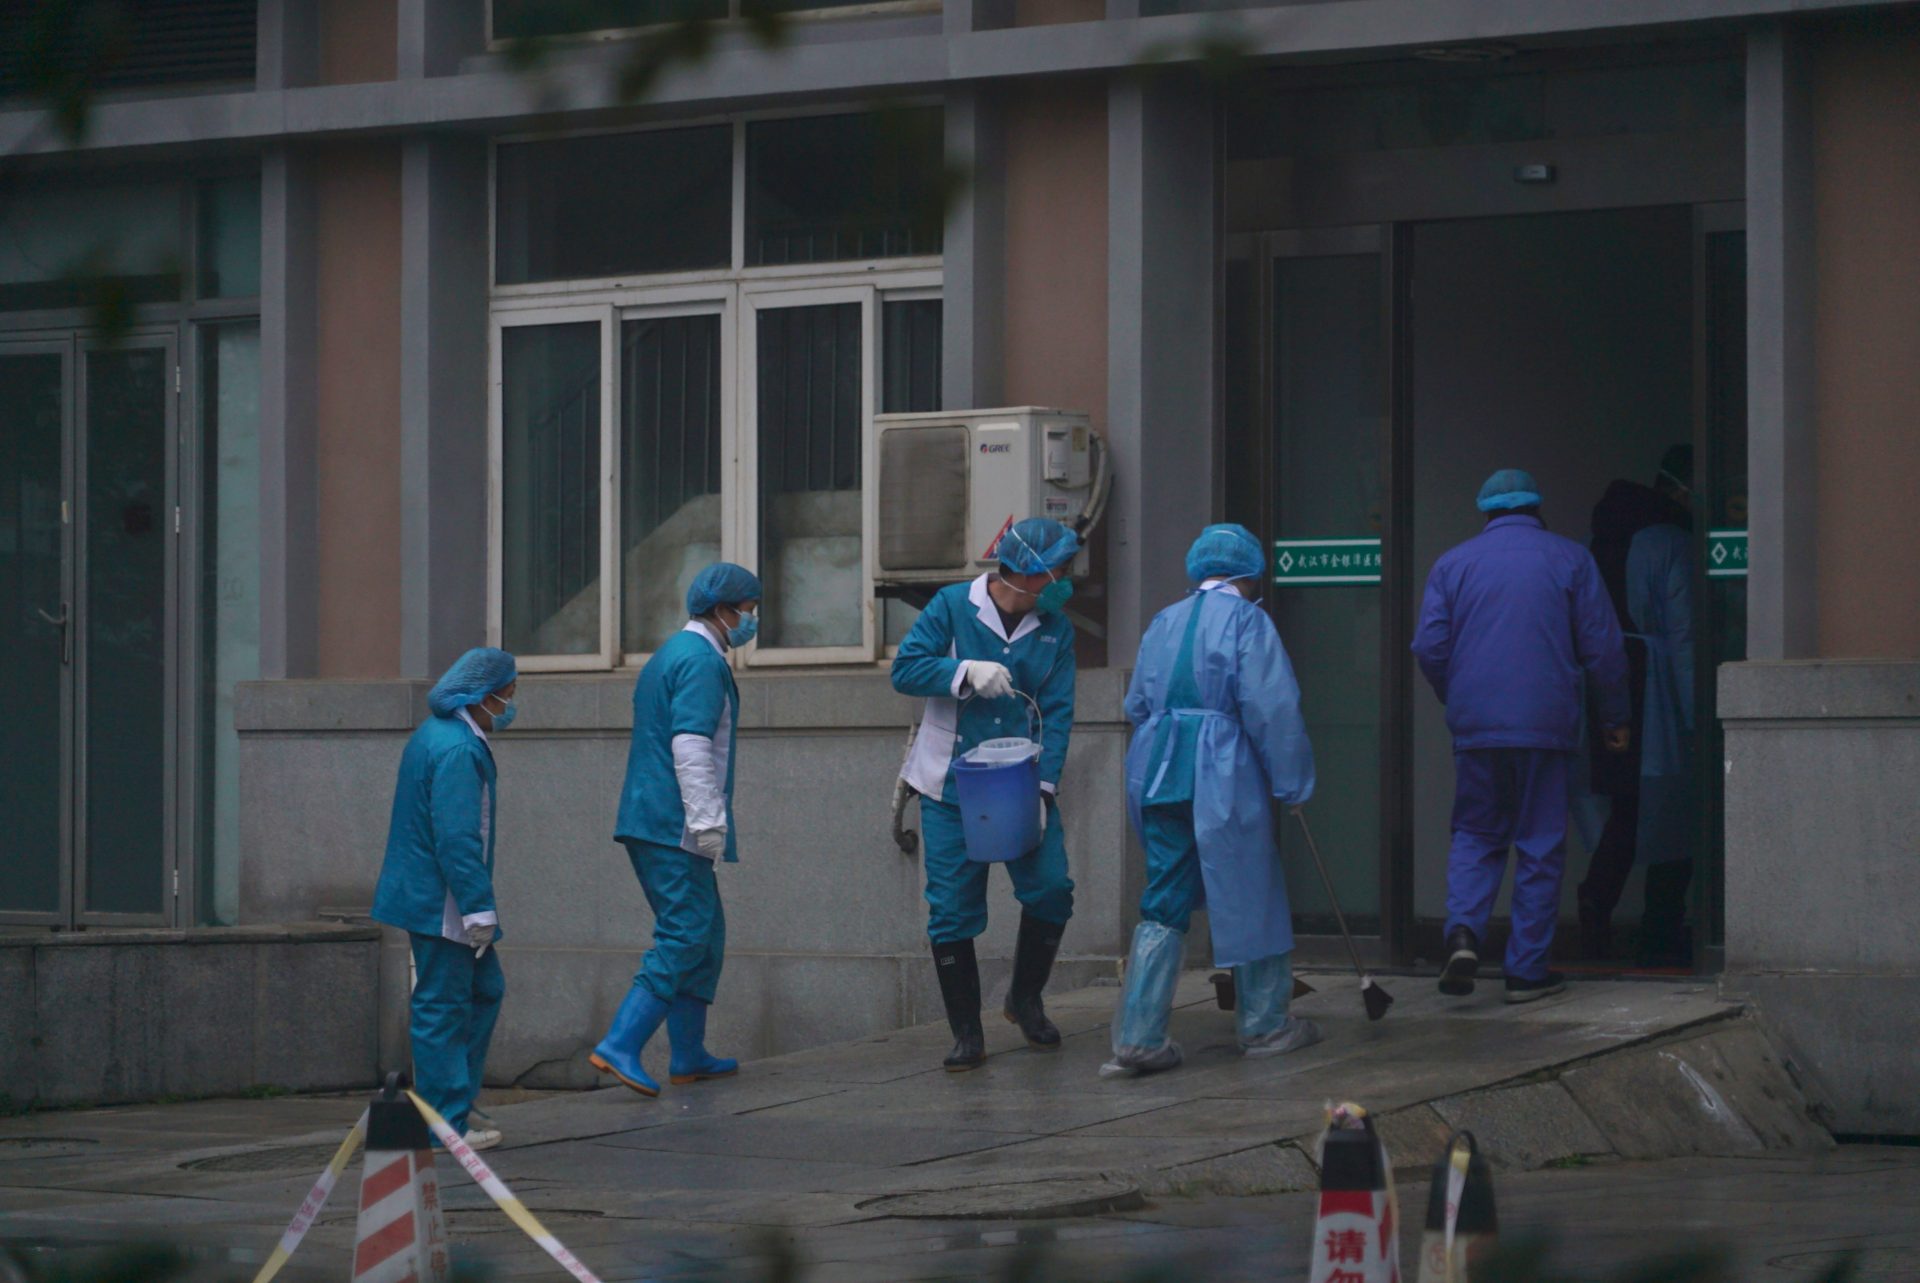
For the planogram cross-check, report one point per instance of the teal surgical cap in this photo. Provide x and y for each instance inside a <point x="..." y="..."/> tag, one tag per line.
<point x="1226" y="552"/>
<point x="721" y="584"/>
<point x="474" y="676"/>
<point x="1036" y="546"/>
<point x="1507" y="489"/>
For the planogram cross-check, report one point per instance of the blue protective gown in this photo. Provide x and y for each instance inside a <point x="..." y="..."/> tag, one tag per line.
<point x="1660" y="600"/>
<point x="687" y="688"/>
<point x="440" y="850"/>
<point x="1217" y="736"/>
<point x="962" y="623"/>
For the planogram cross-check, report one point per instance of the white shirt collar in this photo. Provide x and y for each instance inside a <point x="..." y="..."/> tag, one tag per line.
<point x="473" y="725"/>
<point x="1216" y="585"/>
<point x="695" y="626"/>
<point x="989" y="613"/>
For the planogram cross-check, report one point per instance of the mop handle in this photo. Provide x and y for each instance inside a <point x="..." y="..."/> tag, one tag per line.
<point x="1327" y="882"/>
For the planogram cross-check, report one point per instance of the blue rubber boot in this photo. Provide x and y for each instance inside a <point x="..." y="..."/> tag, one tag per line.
<point x="687" y="1032"/>
<point x="619" y="1052"/>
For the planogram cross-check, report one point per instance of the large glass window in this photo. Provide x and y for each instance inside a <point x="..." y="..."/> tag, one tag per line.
<point x="229" y="594"/>
<point x="607" y="204"/>
<point x="670" y="469"/>
<point x="538" y="19"/>
<point x="229" y="238"/>
<point x="827" y="188"/>
<point x="549" y="487"/>
<point x="811" y="421"/>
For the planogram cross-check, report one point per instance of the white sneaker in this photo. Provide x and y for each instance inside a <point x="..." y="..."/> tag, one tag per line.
<point x="479" y="1138"/>
<point x="1290" y="1036"/>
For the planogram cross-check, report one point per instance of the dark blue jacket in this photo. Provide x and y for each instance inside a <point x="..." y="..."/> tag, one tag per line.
<point x="1512" y="618"/>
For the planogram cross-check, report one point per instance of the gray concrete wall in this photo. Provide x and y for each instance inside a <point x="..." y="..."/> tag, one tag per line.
<point x="102" y="1017"/>
<point x="1823" y="873"/>
<point x="826" y="926"/>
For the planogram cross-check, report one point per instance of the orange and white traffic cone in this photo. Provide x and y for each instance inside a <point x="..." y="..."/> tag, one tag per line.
<point x="1356" y="1235"/>
<point x="400" y="1237"/>
<point x="1461" y="1226"/>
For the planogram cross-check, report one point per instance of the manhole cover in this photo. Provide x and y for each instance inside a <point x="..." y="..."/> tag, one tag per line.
<point x="45" y="1146"/>
<point x="285" y="1158"/>
<point x="1020" y="1200"/>
<point x="1901" y="1262"/>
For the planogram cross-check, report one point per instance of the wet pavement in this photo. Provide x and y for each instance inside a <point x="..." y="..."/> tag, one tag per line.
<point x="846" y="1151"/>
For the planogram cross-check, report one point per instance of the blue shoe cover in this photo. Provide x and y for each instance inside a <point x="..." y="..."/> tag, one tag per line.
<point x="687" y="1032"/>
<point x="1264" y="990"/>
<point x="619" y="1052"/>
<point x="1140" y="1026"/>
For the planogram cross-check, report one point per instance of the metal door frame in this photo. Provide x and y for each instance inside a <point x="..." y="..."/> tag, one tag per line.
<point x="166" y="339"/>
<point x="1389" y="243"/>
<point x="62" y="347"/>
<point x="74" y="347"/>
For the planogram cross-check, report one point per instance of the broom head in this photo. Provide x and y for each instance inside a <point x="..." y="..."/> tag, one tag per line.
<point x="1376" y="998"/>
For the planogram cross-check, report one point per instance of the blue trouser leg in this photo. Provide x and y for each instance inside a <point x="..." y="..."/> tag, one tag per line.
<point x="1509" y="797"/>
<point x="957" y="886"/>
<point x="689" y="926"/>
<point x="456" y="1002"/>
<point x="1173" y="865"/>
<point x="1540" y="839"/>
<point x="1482" y="832"/>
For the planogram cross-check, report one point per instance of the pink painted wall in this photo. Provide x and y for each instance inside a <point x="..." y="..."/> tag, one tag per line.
<point x="359" y="41"/>
<point x="357" y="409"/>
<point x="1867" y="338"/>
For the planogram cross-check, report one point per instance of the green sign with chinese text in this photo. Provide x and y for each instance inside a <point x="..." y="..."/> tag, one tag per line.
<point x="1309" y="563"/>
<point x="1726" y="554"/>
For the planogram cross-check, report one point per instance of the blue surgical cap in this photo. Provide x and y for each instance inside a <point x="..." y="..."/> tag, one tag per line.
<point x="474" y="676"/>
<point x="1036" y="546"/>
<point x="1226" y="552"/>
<point x="1509" y="488"/>
<point x="721" y="584"/>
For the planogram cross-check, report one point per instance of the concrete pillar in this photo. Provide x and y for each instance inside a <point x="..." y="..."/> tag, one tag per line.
<point x="443" y="401"/>
<point x="1162" y="239"/>
<point x="287" y="51"/>
<point x="436" y="35"/>
<point x="1782" y="609"/>
<point x="974" y="292"/>
<point x="288" y="527"/>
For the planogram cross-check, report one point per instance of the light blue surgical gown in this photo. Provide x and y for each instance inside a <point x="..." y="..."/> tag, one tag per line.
<point x="1216" y="716"/>
<point x="1660" y="600"/>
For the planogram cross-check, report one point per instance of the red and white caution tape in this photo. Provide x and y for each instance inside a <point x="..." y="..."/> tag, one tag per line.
<point x="314" y="1203"/>
<point x="497" y="1191"/>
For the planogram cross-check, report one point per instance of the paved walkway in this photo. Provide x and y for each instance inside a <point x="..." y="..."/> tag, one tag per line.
<point x="856" y="1145"/>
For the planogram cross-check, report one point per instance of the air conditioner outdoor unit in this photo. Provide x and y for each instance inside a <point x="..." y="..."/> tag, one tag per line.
<point x="952" y="483"/>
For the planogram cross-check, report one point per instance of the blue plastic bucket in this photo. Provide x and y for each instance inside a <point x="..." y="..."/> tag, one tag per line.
<point x="997" y="786"/>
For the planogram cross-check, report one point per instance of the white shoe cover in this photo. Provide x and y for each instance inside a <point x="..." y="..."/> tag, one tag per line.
<point x="1291" y="1036"/>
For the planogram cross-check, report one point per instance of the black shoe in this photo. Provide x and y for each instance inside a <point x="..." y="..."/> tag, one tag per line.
<point x="1033" y="957"/>
<point x="1546" y="986"/>
<point x="959" y="976"/>
<point x="1463" y="963"/>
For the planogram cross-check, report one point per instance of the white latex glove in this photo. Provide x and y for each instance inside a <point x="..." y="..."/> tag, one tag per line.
<point x="989" y="680"/>
<point x="1045" y="797"/>
<point x="712" y="842"/>
<point x="480" y="935"/>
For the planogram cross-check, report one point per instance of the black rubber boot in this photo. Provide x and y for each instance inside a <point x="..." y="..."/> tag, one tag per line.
<point x="1033" y="959"/>
<point x="959" y="976"/>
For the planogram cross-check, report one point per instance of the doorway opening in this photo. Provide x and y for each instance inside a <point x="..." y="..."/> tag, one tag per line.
<point x="1388" y="370"/>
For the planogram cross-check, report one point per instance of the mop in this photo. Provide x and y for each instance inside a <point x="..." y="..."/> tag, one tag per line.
<point x="1376" y="998"/>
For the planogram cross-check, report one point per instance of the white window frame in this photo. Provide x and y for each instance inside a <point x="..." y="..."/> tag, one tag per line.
<point x="736" y="293"/>
<point x="499" y="322"/>
<point x="725" y="304"/>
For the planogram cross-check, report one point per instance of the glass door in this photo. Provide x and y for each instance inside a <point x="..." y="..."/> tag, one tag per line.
<point x="87" y="519"/>
<point x="36" y="638"/>
<point x="1309" y="466"/>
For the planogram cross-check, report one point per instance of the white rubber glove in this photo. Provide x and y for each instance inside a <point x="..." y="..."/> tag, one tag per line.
<point x="988" y="679"/>
<point x="480" y="935"/>
<point x="712" y="842"/>
<point x="1045" y="797"/>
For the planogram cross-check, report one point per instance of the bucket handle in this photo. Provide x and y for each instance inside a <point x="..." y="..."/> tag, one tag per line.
<point x="1034" y="717"/>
